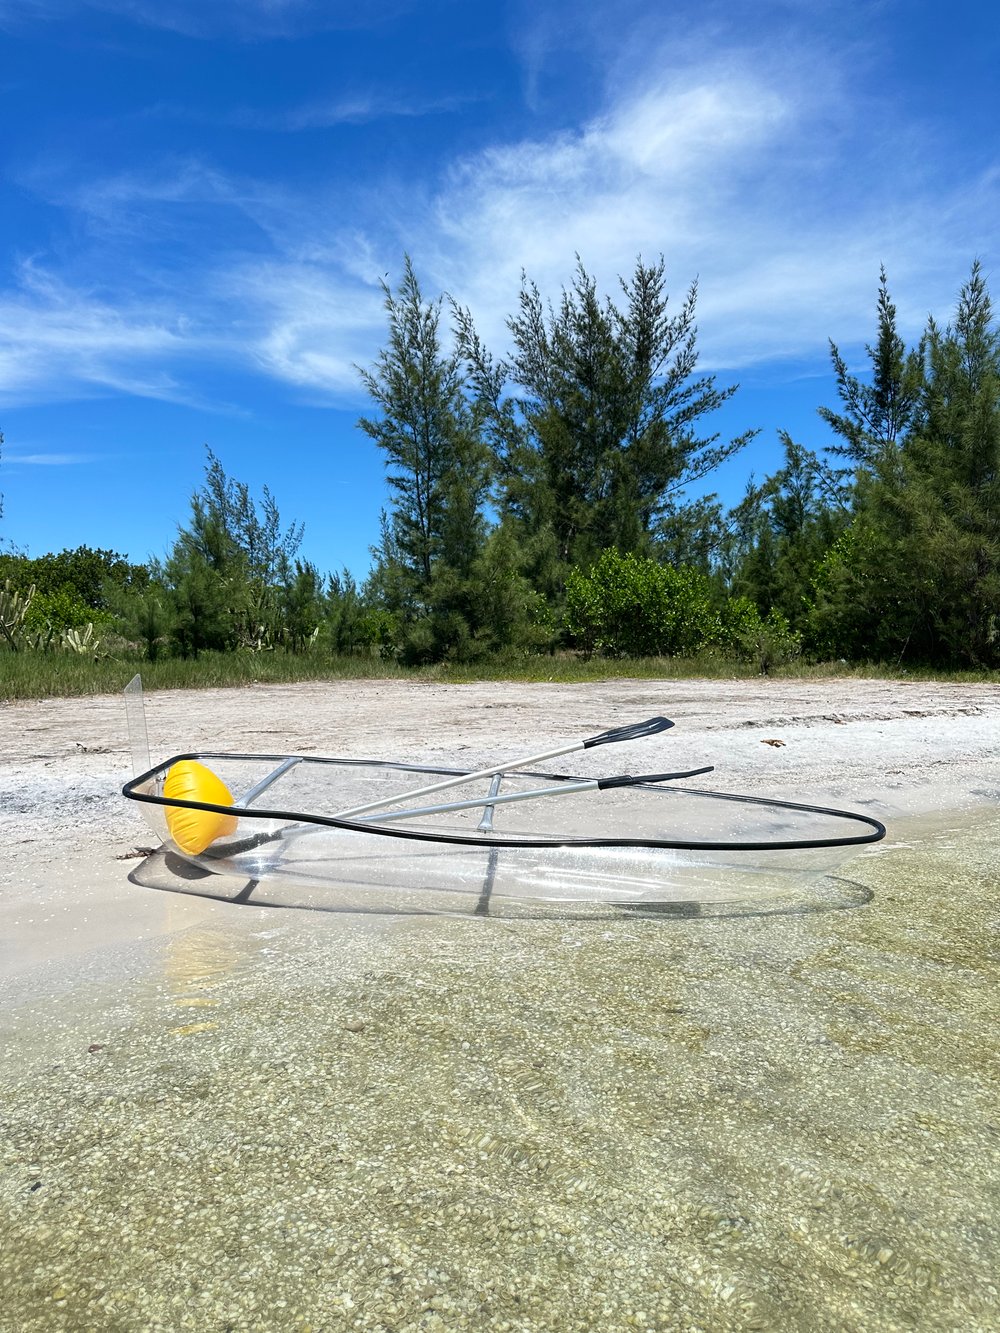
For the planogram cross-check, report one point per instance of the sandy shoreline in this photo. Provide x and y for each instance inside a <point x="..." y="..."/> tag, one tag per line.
<point x="901" y="749"/>
<point x="236" y="1116"/>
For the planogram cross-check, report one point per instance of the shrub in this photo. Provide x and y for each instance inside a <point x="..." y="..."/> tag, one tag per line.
<point x="61" y="609"/>
<point x="768" y="641"/>
<point x="630" y="606"/>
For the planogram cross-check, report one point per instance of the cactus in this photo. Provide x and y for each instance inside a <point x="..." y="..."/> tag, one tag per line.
<point x="41" y="641"/>
<point x="13" y="608"/>
<point x="82" y="641"/>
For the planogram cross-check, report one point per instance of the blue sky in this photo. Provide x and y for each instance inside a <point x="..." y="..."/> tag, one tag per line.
<point x="199" y="197"/>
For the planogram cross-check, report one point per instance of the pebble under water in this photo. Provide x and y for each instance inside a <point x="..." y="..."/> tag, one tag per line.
<point x="307" y="1122"/>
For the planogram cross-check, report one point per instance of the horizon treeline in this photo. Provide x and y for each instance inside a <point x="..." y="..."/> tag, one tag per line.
<point x="542" y="501"/>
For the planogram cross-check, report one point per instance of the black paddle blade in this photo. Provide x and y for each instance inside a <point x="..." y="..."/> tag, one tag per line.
<point x="635" y="731"/>
<point x="627" y="780"/>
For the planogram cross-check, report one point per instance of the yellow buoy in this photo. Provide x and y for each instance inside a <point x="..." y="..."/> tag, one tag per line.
<point x="194" y="830"/>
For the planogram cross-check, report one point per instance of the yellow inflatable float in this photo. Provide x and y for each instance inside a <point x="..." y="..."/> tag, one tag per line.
<point x="194" y="830"/>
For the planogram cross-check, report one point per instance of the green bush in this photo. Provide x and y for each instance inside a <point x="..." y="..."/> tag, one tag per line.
<point x="62" y="609"/>
<point x="378" y="631"/>
<point x="766" y="641"/>
<point x="630" y="606"/>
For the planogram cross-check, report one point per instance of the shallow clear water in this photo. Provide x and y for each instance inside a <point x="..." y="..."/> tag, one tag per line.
<point x="300" y="1120"/>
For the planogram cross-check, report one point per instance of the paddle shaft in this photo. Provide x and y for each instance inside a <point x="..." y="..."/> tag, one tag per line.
<point x="648" y="728"/>
<point x="558" y="789"/>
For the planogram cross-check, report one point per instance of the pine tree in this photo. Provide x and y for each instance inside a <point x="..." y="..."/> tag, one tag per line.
<point x="917" y="574"/>
<point x="956" y="452"/>
<point x="199" y="574"/>
<point x="877" y="414"/>
<point x="253" y="527"/>
<point x="859" y="605"/>
<point x="226" y="569"/>
<point x="599" y="432"/>
<point x="437" y="474"/>
<point x="792" y="519"/>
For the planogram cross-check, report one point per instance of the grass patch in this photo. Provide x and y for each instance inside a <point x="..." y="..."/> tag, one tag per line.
<point x="40" y="676"/>
<point x="45" y="675"/>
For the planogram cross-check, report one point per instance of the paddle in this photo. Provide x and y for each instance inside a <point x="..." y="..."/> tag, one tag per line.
<point x="635" y="731"/>
<point x="558" y="789"/>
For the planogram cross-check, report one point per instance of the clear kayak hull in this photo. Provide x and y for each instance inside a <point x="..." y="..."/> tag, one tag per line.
<point x="514" y="838"/>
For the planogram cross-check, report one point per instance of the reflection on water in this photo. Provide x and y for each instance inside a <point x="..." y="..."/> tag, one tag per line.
<point x="196" y="965"/>
<point x="733" y="1122"/>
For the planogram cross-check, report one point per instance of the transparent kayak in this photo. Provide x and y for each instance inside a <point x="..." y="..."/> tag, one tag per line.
<point x="358" y="828"/>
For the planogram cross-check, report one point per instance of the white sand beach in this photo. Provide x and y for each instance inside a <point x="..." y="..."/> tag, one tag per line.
<point x="902" y="749"/>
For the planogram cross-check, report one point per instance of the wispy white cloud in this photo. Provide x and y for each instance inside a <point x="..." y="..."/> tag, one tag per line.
<point x="153" y="199"/>
<point x="359" y="107"/>
<point x="763" y="178"/>
<point x="663" y="169"/>
<point x="61" y="342"/>
<point x="247" y="20"/>
<point x="307" y="326"/>
<point x="767" y="175"/>
<point x="15" y="14"/>
<point x="182" y="180"/>
<point x="13" y="458"/>
<point x="354" y="109"/>
<point x="734" y="171"/>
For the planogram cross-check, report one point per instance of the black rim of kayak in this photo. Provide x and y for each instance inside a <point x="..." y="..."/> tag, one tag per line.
<point x="876" y="830"/>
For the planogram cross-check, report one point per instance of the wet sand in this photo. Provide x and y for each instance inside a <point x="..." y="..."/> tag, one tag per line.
<point x="233" y="1116"/>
